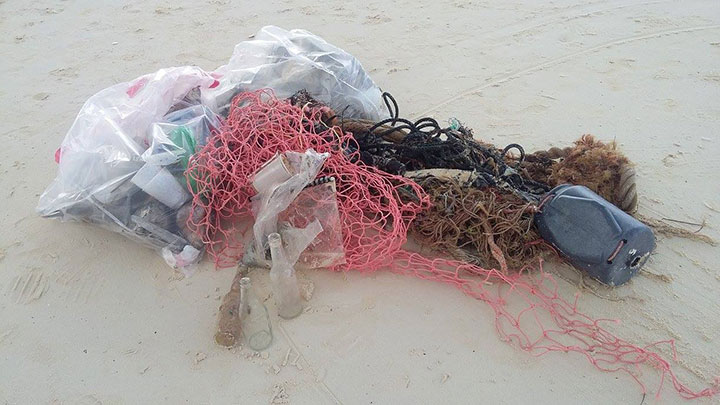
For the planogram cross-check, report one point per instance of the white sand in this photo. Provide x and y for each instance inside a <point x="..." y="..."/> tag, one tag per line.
<point x="109" y="323"/>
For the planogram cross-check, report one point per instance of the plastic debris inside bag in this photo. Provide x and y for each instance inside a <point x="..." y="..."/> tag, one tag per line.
<point x="125" y="172"/>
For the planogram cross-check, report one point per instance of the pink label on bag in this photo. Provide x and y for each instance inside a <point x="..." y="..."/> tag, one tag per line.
<point x="136" y="87"/>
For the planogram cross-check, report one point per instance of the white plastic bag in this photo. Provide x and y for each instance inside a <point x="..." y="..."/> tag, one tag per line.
<point x="288" y="61"/>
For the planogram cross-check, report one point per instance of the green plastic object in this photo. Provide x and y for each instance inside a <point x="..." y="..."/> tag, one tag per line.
<point x="183" y="138"/>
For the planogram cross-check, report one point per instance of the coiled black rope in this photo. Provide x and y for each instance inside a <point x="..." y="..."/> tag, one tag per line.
<point x="424" y="147"/>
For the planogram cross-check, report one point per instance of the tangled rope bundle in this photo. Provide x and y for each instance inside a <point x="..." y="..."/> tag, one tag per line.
<point x="376" y="210"/>
<point x="488" y="227"/>
<point x="397" y="144"/>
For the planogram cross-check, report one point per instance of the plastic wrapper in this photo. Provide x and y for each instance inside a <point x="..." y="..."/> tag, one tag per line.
<point x="316" y="204"/>
<point x="288" y="61"/>
<point x="302" y="210"/>
<point x="276" y="193"/>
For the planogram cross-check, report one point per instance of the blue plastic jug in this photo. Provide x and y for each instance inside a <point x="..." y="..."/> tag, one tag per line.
<point x="593" y="234"/>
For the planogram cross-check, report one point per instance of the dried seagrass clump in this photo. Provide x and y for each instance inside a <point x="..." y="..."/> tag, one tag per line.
<point x="599" y="166"/>
<point x="594" y="164"/>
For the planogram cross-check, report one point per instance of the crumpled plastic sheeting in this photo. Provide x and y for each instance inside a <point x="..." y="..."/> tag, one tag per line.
<point x="275" y="197"/>
<point x="315" y="204"/>
<point x="288" y="61"/>
<point x="303" y="211"/>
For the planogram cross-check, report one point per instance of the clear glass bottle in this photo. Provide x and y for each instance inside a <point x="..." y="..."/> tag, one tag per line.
<point x="254" y="319"/>
<point x="283" y="280"/>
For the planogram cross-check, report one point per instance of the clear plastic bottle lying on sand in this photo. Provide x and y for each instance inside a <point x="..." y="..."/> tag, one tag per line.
<point x="254" y="319"/>
<point x="283" y="279"/>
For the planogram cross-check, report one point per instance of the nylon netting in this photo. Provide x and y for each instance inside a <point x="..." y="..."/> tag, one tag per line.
<point x="376" y="210"/>
<point x="531" y="315"/>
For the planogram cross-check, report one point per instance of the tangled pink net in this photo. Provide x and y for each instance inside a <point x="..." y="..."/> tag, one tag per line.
<point x="374" y="217"/>
<point x="376" y="209"/>
<point x="526" y="302"/>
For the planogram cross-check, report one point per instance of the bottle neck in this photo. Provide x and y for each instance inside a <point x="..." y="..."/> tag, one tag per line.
<point x="244" y="294"/>
<point x="277" y="251"/>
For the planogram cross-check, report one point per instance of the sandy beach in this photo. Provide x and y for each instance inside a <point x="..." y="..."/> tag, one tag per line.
<point x="89" y="317"/>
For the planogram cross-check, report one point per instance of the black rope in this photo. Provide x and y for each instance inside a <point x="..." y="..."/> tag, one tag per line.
<point x="423" y="147"/>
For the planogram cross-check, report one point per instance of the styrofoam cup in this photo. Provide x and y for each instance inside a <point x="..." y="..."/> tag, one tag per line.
<point x="160" y="184"/>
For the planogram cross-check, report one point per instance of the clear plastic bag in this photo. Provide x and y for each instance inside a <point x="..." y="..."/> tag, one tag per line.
<point x="288" y="61"/>
<point x="105" y="145"/>
<point x="316" y="204"/>
<point x="122" y="163"/>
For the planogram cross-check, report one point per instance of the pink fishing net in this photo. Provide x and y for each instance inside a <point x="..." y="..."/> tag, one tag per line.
<point x="376" y="209"/>
<point x="531" y="315"/>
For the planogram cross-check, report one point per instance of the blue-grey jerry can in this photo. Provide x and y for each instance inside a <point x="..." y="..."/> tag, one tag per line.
<point x="594" y="235"/>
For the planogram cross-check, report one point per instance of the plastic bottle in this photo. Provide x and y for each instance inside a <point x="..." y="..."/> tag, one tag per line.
<point x="283" y="279"/>
<point x="254" y="319"/>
